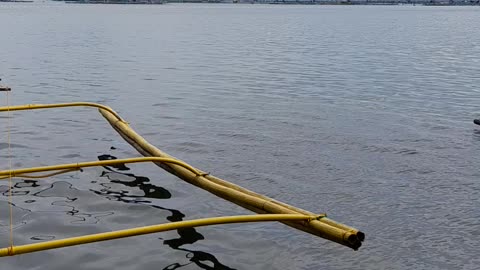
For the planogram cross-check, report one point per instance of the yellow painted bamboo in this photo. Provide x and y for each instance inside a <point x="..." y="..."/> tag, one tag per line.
<point x="63" y="168"/>
<point x="41" y="176"/>
<point x="325" y="227"/>
<point x="79" y="240"/>
<point x="60" y="105"/>
<point x="330" y="230"/>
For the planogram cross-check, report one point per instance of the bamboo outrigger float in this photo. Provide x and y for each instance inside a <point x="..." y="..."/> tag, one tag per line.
<point x="270" y="209"/>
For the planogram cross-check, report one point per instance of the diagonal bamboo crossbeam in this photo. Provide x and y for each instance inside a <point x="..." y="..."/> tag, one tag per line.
<point x="325" y="227"/>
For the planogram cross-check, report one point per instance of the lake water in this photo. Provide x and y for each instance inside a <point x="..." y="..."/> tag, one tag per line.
<point x="362" y="112"/>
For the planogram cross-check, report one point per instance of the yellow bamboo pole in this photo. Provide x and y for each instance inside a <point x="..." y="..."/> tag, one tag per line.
<point x="63" y="168"/>
<point x="79" y="240"/>
<point x="61" y="105"/>
<point x="328" y="229"/>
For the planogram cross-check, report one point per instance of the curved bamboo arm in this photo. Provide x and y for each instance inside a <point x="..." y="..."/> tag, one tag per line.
<point x="325" y="228"/>
<point x="61" y="105"/>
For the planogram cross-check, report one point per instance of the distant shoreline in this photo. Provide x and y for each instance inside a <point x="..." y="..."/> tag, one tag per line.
<point x="270" y="2"/>
<point x="287" y="2"/>
<point x="16" y="1"/>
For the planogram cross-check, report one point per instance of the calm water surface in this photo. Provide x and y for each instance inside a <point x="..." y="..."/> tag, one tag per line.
<point x="361" y="112"/>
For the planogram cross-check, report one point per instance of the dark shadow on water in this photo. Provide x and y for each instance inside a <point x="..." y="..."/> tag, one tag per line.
<point x="202" y="259"/>
<point x="116" y="174"/>
<point x="120" y="167"/>
<point x="199" y="258"/>
<point x="66" y="202"/>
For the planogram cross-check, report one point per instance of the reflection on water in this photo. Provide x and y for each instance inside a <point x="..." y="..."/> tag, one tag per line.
<point x="187" y="235"/>
<point x="67" y="203"/>
<point x="361" y="112"/>
<point x="62" y="195"/>
<point x="199" y="258"/>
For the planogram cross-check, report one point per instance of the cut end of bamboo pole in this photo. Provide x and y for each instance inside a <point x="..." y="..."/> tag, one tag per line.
<point x="361" y="236"/>
<point x="355" y="238"/>
<point x="354" y="241"/>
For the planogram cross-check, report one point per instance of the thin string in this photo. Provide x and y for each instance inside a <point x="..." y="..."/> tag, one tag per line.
<point x="9" y="153"/>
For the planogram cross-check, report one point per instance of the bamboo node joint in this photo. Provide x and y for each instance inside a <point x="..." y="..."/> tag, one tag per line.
<point x="10" y="251"/>
<point x="318" y="217"/>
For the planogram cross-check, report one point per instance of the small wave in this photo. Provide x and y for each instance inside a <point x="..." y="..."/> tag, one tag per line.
<point x="13" y="145"/>
<point x="42" y="237"/>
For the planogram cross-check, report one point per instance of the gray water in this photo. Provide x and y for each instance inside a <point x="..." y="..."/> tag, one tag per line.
<point x="361" y="112"/>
